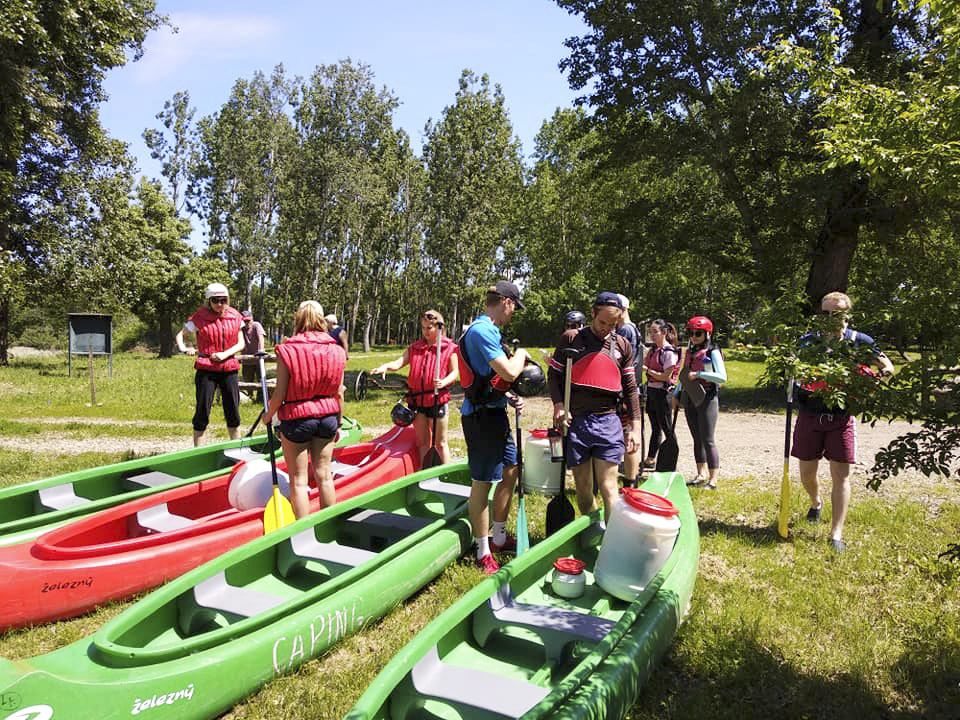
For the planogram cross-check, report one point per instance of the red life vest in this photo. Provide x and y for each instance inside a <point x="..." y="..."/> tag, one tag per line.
<point x="654" y="361"/>
<point x="697" y="361"/>
<point x="315" y="362"/>
<point x="598" y="370"/>
<point x="216" y="333"/>
<point x="423" y="370"/>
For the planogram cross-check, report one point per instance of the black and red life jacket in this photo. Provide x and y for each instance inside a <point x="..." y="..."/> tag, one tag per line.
<point x="478" y="389"/>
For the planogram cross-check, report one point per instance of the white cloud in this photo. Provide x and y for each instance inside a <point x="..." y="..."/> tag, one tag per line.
<point x="201" y="39"/>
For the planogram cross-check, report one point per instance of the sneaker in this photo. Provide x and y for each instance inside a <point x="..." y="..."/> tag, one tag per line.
<point x="813" y="514"/>
<point x="509" y="545"/>
<point x="487" y="564"/>
<point x="838" y="545"/>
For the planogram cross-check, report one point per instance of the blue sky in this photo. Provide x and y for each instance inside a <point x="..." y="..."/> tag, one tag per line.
<point x="416" y="49"/>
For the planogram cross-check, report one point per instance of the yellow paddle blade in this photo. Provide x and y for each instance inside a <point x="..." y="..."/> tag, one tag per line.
<point x="278" y="513"/>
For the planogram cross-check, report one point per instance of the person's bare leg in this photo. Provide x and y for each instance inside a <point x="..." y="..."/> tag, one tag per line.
<point x="808" y="478"/>
<point x="583" y="484"/>
<point x="234" y="433"/>
<point x="606" y="474"/>
<point x="839" y="497"/>
<point x="442" y="445"/>
<point x="503" y="493"/>
<point x="297" y="459"/>
<point x="321" y="453"/>
<point x="421" y="431"/>
<point x="631" y="464"/>
<point x="478" y="509"/>
<point x="198" y="437"/>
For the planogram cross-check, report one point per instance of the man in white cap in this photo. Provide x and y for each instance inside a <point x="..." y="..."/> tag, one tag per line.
<point x="219" y="338"/>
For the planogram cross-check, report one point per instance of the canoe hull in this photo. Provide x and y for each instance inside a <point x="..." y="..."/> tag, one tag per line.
<point x="83" y="681"/>
<point x="22" y="517"/>
<point x="53" y="578"/>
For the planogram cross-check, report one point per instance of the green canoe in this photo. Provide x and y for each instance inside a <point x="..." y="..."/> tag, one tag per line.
<point x="512" y="647"/>
<point x="31" y="509"/>
<point x="205" y="640"/>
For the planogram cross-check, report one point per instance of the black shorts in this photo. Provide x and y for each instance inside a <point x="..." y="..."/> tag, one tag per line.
<point x="434" y="411"/>
<point x="303" y="430"/>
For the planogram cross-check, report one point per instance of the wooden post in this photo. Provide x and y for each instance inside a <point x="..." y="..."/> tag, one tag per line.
<point x="93" y="391"/>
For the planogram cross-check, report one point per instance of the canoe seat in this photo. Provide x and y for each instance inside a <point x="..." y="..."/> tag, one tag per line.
<point x="555" y="626"/>
<point x="59" y="497"/>
<point x="464" y="688"/>
<point x="153" y="479"/>
<point x="158" y="518"/>
<point x="293" y="554"/>
<point x="341" y="470"/>
<point x="242" y="454"/>
<point x="452" y="494"/>
<point x="381" y="528"/>
<point x="198" y="607"/>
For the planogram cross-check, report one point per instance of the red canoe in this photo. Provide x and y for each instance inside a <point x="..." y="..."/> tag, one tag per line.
<point x="141" y="544"/>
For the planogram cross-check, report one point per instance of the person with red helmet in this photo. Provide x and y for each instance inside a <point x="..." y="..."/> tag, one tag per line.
<point x="308" y="399"/>
<point x="701" y="374"/>
<point x="219" y="331"/>
<point x="830" y="432"/>
<point x="423" y="379"/>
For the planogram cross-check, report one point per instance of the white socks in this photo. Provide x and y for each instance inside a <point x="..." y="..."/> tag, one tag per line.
<point x="483" y="547"/>
<point x="499" y="532"/>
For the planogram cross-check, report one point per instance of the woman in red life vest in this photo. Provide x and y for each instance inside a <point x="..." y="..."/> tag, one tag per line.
<point x="308" y="399"/>
<point x="662" y="365"/>
<point x="219" y="331"/>
<point x="422" y="381"/>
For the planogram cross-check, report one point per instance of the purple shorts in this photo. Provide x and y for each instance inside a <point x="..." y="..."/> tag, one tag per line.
<point x="833" y="437"/>
<point x="599" y="436"/>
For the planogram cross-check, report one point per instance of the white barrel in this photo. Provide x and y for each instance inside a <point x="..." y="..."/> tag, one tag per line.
<point x="638" y="540"/>
<point x="568" y="578"/>
<point x="540" y="474"/>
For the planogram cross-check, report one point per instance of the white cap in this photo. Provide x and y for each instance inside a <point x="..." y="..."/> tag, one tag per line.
<point x="331" y="318"/>
<point x="624" y="301"/>
<point x="216" y="290"/>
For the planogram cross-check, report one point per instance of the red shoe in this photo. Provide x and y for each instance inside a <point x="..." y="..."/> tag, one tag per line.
<point x="487" y="564"/>
<point x="509" y="545"/>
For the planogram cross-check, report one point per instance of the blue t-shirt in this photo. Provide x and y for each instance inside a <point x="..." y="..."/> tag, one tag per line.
<point x="482" y="345"/>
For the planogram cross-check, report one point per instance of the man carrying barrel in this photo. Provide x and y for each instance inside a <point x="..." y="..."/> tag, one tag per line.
<point x="602" y="369"/>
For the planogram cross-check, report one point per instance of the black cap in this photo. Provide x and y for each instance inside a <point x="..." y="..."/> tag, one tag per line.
<point x="507" y="289"/>
<point x="608" y="299"/>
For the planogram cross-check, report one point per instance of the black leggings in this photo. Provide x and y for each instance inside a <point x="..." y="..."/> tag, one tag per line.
<point x="702" y="422"/>
<point x="658" y="410"/>
<point x="207" y="383"/>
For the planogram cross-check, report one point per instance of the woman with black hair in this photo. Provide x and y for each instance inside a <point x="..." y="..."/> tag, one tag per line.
<point x="662" y="365"/>
<point x="701" y="374"/>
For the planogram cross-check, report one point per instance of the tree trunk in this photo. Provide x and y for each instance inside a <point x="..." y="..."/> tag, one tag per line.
<point x="837" y="240"/>
<point x="4" y="327"/>
<point x="165" y="332"/>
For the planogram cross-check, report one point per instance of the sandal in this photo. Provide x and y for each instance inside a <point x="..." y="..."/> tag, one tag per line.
<point x="710" y="486"/>
<point x="697" y="481"/>
<point x="838" y="545"/>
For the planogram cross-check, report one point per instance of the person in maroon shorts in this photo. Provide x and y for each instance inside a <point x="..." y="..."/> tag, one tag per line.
<point x="831" y="433"/>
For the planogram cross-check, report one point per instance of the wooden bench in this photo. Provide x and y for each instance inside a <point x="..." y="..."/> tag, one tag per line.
<point x="554" y="626"/>
<point x="198" y="607"/>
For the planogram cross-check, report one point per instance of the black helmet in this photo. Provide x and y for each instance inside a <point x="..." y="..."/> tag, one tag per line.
<point x="530" y="381"/>
<point x="574" y="317"/>
<point x="402" y="415"/>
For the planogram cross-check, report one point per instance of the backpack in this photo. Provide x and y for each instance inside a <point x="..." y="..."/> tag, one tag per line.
<point x="478" y="390"/>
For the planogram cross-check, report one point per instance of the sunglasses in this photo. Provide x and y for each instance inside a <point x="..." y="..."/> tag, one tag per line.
<point x="219" y="300"/>
<point x="697" y="333"/>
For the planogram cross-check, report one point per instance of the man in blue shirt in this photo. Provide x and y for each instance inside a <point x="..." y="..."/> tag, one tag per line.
<point x="491" y="451"/>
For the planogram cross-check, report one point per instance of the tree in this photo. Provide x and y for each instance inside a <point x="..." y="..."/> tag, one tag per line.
<point x="473" y="187"/>
<point x="178" y="155"/>
<point x="53" y="57"/>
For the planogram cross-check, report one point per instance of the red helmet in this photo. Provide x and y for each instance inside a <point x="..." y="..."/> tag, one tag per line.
<point x="700" y="322"/>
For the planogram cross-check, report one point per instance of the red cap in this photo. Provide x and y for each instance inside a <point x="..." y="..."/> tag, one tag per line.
<point x="649" y="502"/>
<point x="569" y="565"/>
<point x="540" y="434"/>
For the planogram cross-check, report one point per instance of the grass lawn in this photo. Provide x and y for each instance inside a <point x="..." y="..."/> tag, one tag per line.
<point x="776" y="629"/>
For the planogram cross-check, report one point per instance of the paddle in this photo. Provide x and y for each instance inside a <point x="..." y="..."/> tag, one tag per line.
<point x="278" y="511"/>
<point x="669" y="450"/>
<point x="637" y="481"/>
<point x="523" y="532"/>
<point x="559" y="510"/>
<point x="784" y="519"/>
<point x="432" y="458"/>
